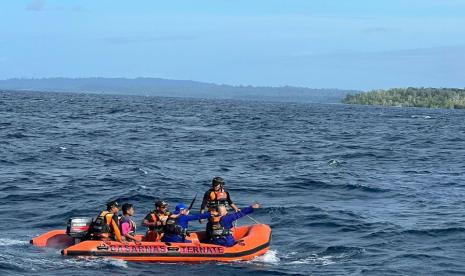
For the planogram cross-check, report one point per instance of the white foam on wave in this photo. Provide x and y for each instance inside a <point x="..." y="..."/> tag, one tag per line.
<point x="142" y="170"/>
<point x="289" y="254"/>
<point x="270" y="257"/>
<point x="116" y="262"/>
<point x="16" y="258"/>
<point x="10" y="242"/>
<point x="95" y="262"/>
<point x="12" y="253"/>
<point x="314" y="259"/>
<point x="328" y="259"/>
<point x="421" y="116"/>
<point x="334" y="162"/>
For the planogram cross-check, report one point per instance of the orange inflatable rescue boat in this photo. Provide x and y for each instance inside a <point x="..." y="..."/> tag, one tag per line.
<point x="252" y="241"/>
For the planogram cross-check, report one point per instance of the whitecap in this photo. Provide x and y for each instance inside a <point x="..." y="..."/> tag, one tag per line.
<point x="314" y="259"/>
<point x="334" y="162"/>
<point x="289" y="254"/>
<point x="142" y="170"/>
<point x="117" y="262"/>
<point x="95" y="262"/>
<point x="421" y="116"/>
<point x="270" y="257"/>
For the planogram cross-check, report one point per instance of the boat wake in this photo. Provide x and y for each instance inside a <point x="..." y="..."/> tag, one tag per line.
<point x="315" y="260"/>
<point x="48" y="259"/>
<point x="94" y="262"/>
<point x="12" y="242"/>
<point x="270" y="257"/>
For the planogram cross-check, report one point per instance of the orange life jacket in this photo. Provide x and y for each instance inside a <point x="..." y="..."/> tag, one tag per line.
<point x="216" y="229"/>
<point x="217" y="198"/>
<point x="158" y="217"/>
<point x="105" y="226"/>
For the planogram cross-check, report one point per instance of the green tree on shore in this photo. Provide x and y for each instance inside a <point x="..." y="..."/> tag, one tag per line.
<point x="411" y="97"/>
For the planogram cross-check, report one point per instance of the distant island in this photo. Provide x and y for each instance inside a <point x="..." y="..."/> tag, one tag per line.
<point x="411" y="97"/>
<point x="175" y="88"/>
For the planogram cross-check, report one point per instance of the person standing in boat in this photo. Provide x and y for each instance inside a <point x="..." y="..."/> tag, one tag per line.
<point x="217" y="196"/>
<point x="106" y="225"/>
<point x="127" y="225"/>
<point x="155" y="220"/>
<point x="220" y="225"/>
<point x="178" y="223"/>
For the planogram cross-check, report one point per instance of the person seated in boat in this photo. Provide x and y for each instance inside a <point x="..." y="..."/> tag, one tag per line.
<point x="155" y="220"/>
<point x="220" y="225"/>
<point x="127" y="225"/>
<point x="106" y="225"/>
<point x="177" y="224"/>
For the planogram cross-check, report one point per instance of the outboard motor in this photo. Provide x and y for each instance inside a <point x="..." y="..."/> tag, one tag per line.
<point x="78" y="228"/>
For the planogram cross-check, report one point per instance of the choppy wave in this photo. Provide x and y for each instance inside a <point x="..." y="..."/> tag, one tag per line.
<point x="331" y="256"/>
<point x="347" y="190"/>
<point x="419" y="233"/>
<point x="11" y="242"/>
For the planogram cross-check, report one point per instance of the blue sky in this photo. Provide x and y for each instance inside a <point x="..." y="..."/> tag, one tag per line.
<point x="321" y="44"/>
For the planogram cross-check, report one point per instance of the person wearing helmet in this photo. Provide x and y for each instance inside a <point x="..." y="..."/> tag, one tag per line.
<point x="155" y="220"/>
<point x="217" y="196"/>
<point x="105" y="226"/>
<point x="219" y="228"/>
<point x="178" y="223"/>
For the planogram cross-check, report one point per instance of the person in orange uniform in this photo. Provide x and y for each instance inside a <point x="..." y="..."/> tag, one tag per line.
<point x="217" y="196"/>
<point x="105" y="226"/>
<point x="155" y="221"/>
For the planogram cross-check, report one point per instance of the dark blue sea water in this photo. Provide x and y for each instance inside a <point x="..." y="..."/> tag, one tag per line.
<point x="347" y="190"/>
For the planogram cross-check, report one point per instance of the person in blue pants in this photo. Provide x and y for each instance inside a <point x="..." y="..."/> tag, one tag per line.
<point x="177" y="224"/>
<point x="219" y="228"/>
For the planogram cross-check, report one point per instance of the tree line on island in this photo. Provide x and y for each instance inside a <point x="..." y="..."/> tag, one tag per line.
<point x="176" y="88"/>
<point x="411" y="97"/>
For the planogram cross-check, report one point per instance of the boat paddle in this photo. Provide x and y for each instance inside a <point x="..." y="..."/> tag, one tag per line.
<point x="192" y="203"/>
